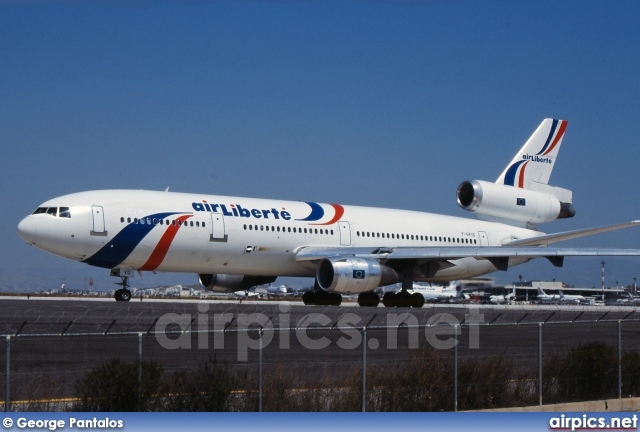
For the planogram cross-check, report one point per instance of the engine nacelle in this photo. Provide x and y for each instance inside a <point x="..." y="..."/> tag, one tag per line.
<point x="353" y="275"/>
<point x="231" y="283"/>
<point x="508" y="202"/>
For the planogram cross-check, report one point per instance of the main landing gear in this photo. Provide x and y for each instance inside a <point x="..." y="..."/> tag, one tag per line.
<point x="123" y="294"/>
<point x="403" y="299"/>
<point x="320" y="297"/>
<point x="369" y="299"/>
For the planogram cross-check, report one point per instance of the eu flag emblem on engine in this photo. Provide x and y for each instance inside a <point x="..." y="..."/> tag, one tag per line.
<point x="521" y="202"/>
<point x="358" y="274"/>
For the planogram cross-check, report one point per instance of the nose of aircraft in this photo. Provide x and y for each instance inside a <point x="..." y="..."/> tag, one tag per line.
<point x="27" y="230"/>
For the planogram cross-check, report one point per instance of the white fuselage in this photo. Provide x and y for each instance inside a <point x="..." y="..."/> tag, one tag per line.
<point x="179" y="232"/>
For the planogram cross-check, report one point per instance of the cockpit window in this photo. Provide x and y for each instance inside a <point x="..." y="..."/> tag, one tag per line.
<point x="53" y="211"/>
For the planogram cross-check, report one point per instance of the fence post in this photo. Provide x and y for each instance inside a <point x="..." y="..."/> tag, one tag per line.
<point x="260" y="369"/>
<point x="539" y="363"/>
<point x="619" y="359"/>
<point x="364" y="369"/>
<point x="7" y="389"/>
<point x="455" y="371"/>
<point x="140" y="358"/>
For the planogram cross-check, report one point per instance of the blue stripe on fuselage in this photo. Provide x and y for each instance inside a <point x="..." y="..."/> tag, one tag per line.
<point x="317" y="213"/>
<point x="121" y="246"/>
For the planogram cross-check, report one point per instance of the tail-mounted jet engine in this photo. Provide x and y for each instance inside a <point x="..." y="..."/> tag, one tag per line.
<point x="230" y="283"/>
<point x="491" y="200"/>
<point x="353" y="275"/>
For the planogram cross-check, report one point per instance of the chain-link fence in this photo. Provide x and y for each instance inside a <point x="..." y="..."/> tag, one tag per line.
<point x="339" y="359"/>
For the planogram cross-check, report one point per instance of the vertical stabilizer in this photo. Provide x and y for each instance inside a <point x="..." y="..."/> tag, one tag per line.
<point x="532" y="165"/>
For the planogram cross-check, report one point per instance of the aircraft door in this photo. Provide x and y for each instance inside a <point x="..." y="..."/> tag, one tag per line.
<point x="484" y="240"/>
<point x="218" y="232"/>
<point x="345" y="234"/>
<point x="97" y="214"/>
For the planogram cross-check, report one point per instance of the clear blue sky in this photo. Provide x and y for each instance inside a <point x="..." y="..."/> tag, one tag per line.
<point x="375" y="103"/>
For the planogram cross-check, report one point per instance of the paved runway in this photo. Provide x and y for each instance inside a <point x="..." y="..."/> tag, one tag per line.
<point x="63" y="315"/>
<point x="57" y="340"/>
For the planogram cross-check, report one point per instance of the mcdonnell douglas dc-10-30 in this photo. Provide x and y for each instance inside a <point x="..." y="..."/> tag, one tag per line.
<point x="236" y="243"/>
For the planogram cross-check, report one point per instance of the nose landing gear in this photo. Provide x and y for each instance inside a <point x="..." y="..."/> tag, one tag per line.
<point x="123" y="294"/>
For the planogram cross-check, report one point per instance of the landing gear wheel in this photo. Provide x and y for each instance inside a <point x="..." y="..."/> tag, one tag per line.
<point x="417" y="300"/>
<point x="123" y="294"/>
<point x="321" y="298"/>
<point x="370" y="299"/>
<point x="389" y="299"/>
<point x="308" y="298"/>
<point x="403" y="299"/>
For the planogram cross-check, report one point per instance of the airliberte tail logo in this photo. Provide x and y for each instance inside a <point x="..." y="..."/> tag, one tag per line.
<point x="536" y="158"/>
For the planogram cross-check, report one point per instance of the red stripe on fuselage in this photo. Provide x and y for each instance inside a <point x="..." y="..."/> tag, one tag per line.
<point x="336" y="217"/>
<point x="158" y="254"/>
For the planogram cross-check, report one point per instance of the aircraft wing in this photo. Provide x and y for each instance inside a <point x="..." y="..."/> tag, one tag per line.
<point x="451" y="253"/>
<point x="568" y="235"/>
<point x="498" y="255"/>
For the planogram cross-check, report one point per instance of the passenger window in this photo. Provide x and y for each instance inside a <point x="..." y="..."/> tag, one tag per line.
<point x="122" y="220"/>
<point x="129" y="220"/>
<point x="202" y="224"/>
